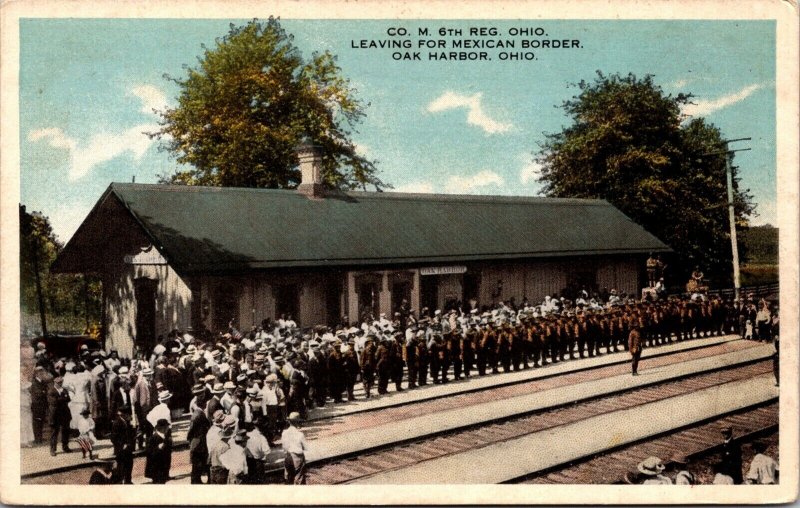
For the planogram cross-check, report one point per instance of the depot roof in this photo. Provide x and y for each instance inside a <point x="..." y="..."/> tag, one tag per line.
<point x="213" y="229"/>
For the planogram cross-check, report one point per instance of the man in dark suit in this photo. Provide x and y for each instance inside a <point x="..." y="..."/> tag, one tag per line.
<point x="159" y="453"/>
<point x="39" y="387"/>
<point x="123" y="437"/>
<point x="58" y="403"/>
<point x="198" y="448"/>
<point x="731" y="456"/>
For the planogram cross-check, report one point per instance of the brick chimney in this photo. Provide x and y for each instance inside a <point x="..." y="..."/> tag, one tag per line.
<point x="310" y="157"/>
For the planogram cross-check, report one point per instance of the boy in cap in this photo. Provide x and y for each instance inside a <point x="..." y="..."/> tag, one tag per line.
<point x="293" y="442"/>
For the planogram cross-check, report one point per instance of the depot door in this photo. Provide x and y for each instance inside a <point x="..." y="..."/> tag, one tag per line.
<point x="145" y="294"/>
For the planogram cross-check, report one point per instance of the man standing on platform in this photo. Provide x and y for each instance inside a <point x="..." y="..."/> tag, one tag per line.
<point x="159" y="453"/>
<point x="123" y="437"/>
<point x="293" y="442"/>
<point x="635" y="348"/>
<point x="58" y="403"/>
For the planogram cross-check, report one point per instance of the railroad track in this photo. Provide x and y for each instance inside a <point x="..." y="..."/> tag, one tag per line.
<point x="699" y="443"/>
<point x="397" y="457"/>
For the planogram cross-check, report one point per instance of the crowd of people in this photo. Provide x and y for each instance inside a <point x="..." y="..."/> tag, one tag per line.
<point x="727" y="469"/>
<point x="244" y="389"/>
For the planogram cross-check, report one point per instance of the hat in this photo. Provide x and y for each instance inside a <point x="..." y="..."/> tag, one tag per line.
<point x="41" y="346"/>
<point x="651" y="466"/>
<point x="218" y="388"/>
<point x="147" y="371"/>
<point x="162" y="423"/>
<point x="272" y="378"/>
<point x="164" y="395"/>
<point x="209" y="377"/>
<point x="294" y="417"/>
<point x="123" y="371"/>
<point x="253" y="392"/>
<point x="198" y="389"/>
<point x="229" y="421"/>
<point x="218" y="416"/>
<point x="241" y="377"/>
<point x="229" y="385"/>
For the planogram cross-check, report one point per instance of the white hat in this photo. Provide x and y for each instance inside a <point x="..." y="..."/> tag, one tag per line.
<point x="164" y="395"/>
<point x="651" y="466"/>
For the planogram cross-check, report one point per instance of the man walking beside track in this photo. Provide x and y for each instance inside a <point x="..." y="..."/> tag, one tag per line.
<point x="293" y="442"/>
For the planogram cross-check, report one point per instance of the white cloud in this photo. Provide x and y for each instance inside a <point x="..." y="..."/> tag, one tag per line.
<point x="475" y="114"/>
<point x="415" y="188"/>
<point x="100" y="148"/>
<point x="458" y="184"/>
<point x="678" y="83"/>
<point x="706" y="107"/>
<point x="151" y="97"/>
<point x="66" y="220"/>
<point x="530" y="172"/>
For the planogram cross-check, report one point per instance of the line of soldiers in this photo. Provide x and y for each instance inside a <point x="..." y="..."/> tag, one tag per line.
<point x="453" y="344"/>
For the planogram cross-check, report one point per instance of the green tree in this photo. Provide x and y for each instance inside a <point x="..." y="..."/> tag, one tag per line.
<point x="250" y="101"/>
<point x="628" y="143"/>
<point x="68" y="303"/>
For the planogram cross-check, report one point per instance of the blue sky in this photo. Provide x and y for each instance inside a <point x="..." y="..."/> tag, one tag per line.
<point x="88" y="87"/>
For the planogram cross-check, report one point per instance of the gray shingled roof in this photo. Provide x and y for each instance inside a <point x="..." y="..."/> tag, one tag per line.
<point x="201" y="229"/>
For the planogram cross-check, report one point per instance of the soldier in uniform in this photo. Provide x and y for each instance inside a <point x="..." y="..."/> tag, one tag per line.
<point x="383" y="366"/>
<point x="336" y="384"/>
<point x="409" y="350"/>
<point x="351" y="369"/>
<point x="503" y="349"/>
<point x="368" y="360"/>
<point x="468" y="343"/>
<point x="396" y="363"/>
<point x="455" y="352"/>
<point x="421" y="357"/>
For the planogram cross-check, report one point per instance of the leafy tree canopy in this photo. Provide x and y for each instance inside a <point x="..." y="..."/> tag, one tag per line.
<point x="628" y="143"/>
<point x="250" y="101"/>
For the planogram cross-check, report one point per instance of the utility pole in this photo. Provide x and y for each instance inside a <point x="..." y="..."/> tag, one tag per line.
<point x="728" y="153"/>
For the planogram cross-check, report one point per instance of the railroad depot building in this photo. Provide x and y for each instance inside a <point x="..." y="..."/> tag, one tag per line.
<point x="192" y="257"/>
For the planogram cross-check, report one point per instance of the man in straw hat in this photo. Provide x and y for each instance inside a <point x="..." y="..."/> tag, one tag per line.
<point x="219" y="473"/>
<point x="161" y="410"/>
<point x="293" y="442"/>
<point x="652" y="467"/>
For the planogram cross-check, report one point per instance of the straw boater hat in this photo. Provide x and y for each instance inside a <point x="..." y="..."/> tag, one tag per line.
<point x="651" y="466"/>
<point x="198" y="389"/>
<point x="294" y="417"/>
<point x="217" y="388"/>
<point x="229" y="385"/>
<point x="164" y="395"/>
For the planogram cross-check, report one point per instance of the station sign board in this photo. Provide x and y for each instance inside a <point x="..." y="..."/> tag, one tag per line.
<point x="442" y="270"/>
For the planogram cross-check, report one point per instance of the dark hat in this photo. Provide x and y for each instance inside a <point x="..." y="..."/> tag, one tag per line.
<point x="162" y="423"/>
